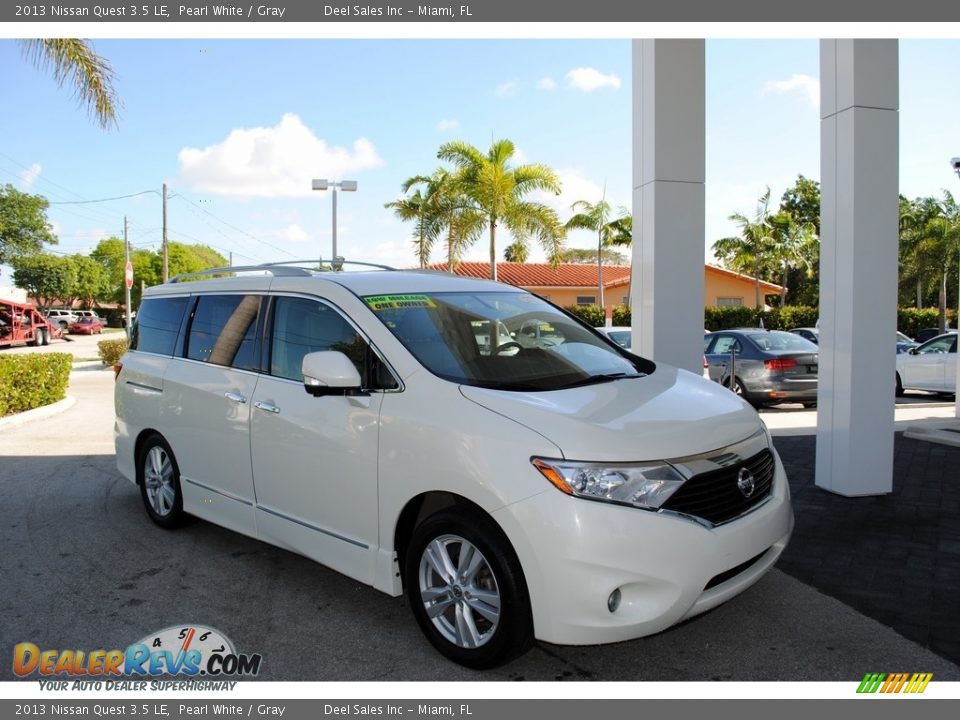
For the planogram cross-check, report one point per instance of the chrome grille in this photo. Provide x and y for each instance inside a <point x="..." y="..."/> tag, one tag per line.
<point x="716" y="497"/>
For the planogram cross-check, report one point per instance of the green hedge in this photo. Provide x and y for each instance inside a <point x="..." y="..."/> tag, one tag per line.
<point x="909" y="320"/>
<point x="913" y="320"/>
<point x="111" y="350"/>
<point x="590" y="314"/>
<point x="33" y="380"/>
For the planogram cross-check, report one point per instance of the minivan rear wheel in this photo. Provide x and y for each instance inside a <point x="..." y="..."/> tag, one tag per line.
<point x="159" y="478"/>
<point x="467" y="590"/>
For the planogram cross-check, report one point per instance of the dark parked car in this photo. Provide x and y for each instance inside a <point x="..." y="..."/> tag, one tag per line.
<point x="770" y="366"/>
<point x="813" y="335"/>
<point x="928" y="334"/>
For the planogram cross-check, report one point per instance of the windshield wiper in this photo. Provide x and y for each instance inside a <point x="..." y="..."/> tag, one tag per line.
<point x="603" y="377"/>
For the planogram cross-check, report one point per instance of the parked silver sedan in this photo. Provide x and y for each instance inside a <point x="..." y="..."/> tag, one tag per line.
<point x="769" y="366"/>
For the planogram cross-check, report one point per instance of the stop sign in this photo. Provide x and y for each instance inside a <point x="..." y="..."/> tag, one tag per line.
<point x="128" y="275"/>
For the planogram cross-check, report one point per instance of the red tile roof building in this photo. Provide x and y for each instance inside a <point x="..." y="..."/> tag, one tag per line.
<point x="576" y="284"/>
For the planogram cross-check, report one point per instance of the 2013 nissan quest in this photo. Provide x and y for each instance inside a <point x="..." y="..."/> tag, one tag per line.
<point x="512" y="471"/>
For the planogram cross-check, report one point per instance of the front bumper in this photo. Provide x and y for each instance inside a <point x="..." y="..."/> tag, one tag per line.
<point x="576" y="552"/>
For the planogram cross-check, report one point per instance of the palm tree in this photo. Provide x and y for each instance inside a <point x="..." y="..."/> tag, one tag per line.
<point x="795" y="245"/>
<point x="439" y="205"/>
<point x="496" y="190"/>
<point x="751" y="251"/>
<point x="940" y="245"/>
<point x="74" y="61"/>
<point x="414" y="207"/>
<point x="597" y="217"/>
<point x="516" y="252"/>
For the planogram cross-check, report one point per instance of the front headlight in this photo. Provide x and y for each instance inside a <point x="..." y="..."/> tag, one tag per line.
<point x="643" y="486"/>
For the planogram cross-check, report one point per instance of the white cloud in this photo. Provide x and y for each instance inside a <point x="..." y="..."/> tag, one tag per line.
<point x="29" y="176"/>
<point x="294" y="233"/>
<point x="445" y="125"/>
<point x="547" y="83"/>
<point x="796" y="83"/>
<point x="588" y="79"/>
<point x="507" y="89"/>
<point x="574" y="186"/>
<point x="277" y="161"/>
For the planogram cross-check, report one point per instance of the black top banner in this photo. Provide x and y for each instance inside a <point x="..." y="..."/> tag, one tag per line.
<point x="531" y="11"/>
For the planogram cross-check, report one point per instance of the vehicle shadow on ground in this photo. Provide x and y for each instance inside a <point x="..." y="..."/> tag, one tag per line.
<point x="86" y="569"/>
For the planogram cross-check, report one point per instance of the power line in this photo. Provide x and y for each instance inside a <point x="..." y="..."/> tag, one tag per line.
<point x="119" y="197"/>
<point x="231" y="226"/>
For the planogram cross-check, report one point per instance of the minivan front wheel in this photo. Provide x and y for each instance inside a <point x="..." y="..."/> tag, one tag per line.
<point x="159" y="480"/>
<point x="467" y="590"/>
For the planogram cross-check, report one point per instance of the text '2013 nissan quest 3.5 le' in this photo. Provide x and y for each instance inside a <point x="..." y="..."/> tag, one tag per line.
<point x="512" y="471"/>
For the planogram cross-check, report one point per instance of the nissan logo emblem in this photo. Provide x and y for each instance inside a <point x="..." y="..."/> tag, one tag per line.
<point x="745" y="482"/>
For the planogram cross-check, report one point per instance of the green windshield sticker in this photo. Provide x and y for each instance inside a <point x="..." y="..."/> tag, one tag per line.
<point x="397" y="302"/>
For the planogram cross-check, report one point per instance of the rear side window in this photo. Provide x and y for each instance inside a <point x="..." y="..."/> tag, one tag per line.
<point x="158" y="322"/>
<point x="224" y="331"/>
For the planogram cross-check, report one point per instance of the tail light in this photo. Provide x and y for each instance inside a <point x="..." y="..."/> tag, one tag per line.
<point x="705" y="363"/>
<point x="117" y="367"/>
<point x="779" y="363"/>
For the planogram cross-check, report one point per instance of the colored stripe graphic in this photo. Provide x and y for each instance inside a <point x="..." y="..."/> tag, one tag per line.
<point x="894" y="682"/>
<point x="871" y="682"/>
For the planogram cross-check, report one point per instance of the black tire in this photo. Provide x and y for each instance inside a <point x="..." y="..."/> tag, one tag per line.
<point x="63" y="325"/>
<point x="810" y="404"/>
<point x="158" y="476"/>
<point x="497" y="574"/>
<point x="899" y="390"/>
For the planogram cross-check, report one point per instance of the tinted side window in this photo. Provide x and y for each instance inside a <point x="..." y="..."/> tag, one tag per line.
<point x="224" y="331"/>
<point x="302" y="326"/>
<point x="158" y="322"/>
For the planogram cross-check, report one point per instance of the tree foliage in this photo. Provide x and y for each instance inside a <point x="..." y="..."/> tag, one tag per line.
<point x="497" y="191"/>
<point x="24" y="227"/>
<point x="74" y="62"/>
<point x="600" y="217"/>
<point x="147" y="266"/>
<point x="582" y="256"/>
<point x="47" y="278"/>
<point x="439" y="207"/>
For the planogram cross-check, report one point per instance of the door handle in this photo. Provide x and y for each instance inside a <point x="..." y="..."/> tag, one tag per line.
<point x="235" y="397"/>
<point x="267" y="407"/>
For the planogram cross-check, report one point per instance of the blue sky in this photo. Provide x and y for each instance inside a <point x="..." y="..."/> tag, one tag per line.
<point x="238" y="128"/>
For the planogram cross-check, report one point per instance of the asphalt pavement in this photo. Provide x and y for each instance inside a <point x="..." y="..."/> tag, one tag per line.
<point x="84" y="568"/>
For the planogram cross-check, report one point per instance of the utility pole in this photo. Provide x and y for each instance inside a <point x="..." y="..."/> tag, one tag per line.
<point x="126" y="280"/>
<point x="166" y="256"/>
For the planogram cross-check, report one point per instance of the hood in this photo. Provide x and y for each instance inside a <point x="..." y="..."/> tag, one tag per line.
<point x="669" y="414"/>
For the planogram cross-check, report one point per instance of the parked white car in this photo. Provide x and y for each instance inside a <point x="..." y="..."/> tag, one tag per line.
<point x="549" y="486"/>
<point x="63" y="318"/>
<point x="931" y="366"/>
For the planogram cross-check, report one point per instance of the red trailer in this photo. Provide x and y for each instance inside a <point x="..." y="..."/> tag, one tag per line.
<point x="21" y="324"/>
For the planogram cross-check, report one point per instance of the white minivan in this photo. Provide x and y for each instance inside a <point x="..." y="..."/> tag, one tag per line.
<point x="514" y="484"/>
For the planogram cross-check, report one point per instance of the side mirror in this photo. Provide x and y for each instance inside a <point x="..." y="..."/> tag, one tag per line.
<point x="329" y="373"/>
<point x="912" y="351"/>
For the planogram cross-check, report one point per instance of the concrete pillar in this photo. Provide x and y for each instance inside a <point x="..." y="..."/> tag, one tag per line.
<point x="668" y="201"/>
<point x="858" y="265"/>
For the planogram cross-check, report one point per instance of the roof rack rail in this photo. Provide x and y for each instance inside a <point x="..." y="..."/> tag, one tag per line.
<point x="285" y="268"/>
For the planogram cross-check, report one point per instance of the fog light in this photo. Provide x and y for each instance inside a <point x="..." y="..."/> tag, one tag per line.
<point x="613" y="602"/>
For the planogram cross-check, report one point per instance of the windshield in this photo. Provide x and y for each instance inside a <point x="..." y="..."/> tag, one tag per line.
<point x="534" y="346"/>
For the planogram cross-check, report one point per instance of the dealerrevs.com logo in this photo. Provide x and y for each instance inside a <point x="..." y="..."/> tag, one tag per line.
<point x="179" y="650"/>
<point x="894" y="683"/>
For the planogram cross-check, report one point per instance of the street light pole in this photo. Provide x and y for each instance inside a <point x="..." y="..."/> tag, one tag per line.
<point x="346" y="186"/>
